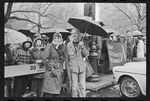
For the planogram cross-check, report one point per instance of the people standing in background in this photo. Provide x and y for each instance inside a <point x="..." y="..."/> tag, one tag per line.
<point x="37" y="79"/>
<point x="140" y="48"/>
<point x="76" y="52"/>
<point x="129" y="48"/>
<point x="7" y="61"/>
<point x="135" y="47"/>
<point x="22" y="56"/>
<point x="45" y="39"/>
<point x="53" y="58"/>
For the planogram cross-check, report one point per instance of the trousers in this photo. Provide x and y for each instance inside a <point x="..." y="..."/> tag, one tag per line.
<point x="20" y="85"/>
<point x="36" y="86"/>
<point x="78" y="84"/>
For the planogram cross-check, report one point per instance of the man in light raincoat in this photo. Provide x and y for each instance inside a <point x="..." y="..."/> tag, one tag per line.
<point x="75" y="64"/>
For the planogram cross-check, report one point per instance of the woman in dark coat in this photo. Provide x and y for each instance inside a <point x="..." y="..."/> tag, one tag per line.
<point x="37" y="79"/>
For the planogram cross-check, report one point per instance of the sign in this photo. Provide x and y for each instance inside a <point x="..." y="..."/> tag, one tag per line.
<point x="18" y="70"/>
<point x="117" y="54"/>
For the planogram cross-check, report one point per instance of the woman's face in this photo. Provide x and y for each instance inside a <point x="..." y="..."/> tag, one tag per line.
<point x="27" y="44"/>
<point x="57" y="39"/>
<point x="39" y="43"/>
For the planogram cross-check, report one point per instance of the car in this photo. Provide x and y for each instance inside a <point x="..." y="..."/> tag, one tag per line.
<point x="131" y="78"/>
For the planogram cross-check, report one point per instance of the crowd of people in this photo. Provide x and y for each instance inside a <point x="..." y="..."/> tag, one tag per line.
<point x="66" y="63"/>
<point x="136" y="46"/>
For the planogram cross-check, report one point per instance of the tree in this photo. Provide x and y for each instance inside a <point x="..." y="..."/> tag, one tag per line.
<point x="138" y="18"/>
<point x="120" y="16"/>
<point x="42" y="15"/>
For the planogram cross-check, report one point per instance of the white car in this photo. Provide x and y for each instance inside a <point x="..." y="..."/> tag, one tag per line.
<point x="131" y="79"/>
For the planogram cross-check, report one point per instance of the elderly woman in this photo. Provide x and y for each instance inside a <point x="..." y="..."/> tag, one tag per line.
<point x="53" y="58"/>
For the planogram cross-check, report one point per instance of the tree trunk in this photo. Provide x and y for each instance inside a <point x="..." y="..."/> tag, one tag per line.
<point x="39" y="17"/>
<point x="8" y="12"/>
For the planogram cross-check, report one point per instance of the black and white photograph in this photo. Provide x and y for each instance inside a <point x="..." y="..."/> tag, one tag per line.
<point x="77" y="50"/>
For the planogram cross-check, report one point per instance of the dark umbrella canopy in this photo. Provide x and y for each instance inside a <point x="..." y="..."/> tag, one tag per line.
<point x="27" y="33"/>
<point x="86" y="25"/>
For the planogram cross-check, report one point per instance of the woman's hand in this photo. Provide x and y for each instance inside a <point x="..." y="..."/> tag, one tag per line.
<point x="38" y="61"/>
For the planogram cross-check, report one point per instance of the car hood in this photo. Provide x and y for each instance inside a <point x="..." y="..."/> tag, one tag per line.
<point x="133" y="67"/>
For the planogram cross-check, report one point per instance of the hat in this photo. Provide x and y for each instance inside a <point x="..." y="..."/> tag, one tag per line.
<point x="28" y="41"/>
<point x="57" y="34"/>
<point x="44" y="37"/>
<point x="36" y="36"/>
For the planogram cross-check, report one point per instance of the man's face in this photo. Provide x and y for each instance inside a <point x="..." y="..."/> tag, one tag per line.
<point x="27" y="44"/>
<point x="75" y="35"/>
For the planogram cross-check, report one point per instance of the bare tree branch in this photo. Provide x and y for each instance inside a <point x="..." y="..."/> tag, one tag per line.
<point x="46" y="8"/>
<point x="123" y="12"/>
<point x="143" y="17"/>
<point x="137" y="9"/>
<point x="35" y="12"/>
<point x="108" y="8"/>
<point x="132" y="16"/>
<point x="8" y="11"/>
<point x="14" y="17"/>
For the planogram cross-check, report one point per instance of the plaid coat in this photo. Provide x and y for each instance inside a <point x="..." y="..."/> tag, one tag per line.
<point x="22" y="57"/>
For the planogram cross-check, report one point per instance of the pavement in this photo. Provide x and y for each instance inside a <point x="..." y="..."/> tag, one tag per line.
<point x="105" y="81"/>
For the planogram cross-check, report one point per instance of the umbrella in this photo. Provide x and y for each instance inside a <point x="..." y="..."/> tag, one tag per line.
<point x="116" y="34"/>
<point x="137" y="33"/>
<point x="51" y="31"/>
<point x="8" y="26"/>
<point x="28" y="33"/>
<point x="86" y="25"/>
<point x="13" y="37"/>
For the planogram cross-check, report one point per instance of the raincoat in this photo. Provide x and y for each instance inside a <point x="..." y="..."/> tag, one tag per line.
<point x="52" y="83"/>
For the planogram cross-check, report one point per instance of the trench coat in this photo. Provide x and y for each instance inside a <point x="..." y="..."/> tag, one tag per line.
<point x="52" y="84"/>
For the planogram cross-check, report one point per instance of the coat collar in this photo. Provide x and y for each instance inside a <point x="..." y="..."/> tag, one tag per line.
<point x="72" y="46"/>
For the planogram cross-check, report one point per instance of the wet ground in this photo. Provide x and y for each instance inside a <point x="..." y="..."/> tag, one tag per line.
<point x="107" y="92"/>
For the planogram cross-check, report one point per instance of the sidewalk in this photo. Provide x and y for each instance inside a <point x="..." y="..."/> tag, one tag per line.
<point x="105" y="81"/>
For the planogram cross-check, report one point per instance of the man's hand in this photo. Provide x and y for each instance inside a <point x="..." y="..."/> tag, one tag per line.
<point x="81" y="43"/>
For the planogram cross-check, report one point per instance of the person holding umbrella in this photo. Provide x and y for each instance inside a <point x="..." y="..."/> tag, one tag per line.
<point x="22" y="56"/>
<point x="76" y="52"/>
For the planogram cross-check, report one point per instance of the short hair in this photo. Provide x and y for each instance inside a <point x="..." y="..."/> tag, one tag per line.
<point x="76" y="29"/>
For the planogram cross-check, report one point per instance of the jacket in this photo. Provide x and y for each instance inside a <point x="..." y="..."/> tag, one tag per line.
<point x="37" y="55"/>
<point x="76" y="63"/>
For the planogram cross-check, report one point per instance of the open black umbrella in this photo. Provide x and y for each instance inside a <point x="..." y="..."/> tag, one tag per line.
<point x="51" y="31"/>
<point x="89" y="26"/>
<point x="28" y="33"/>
